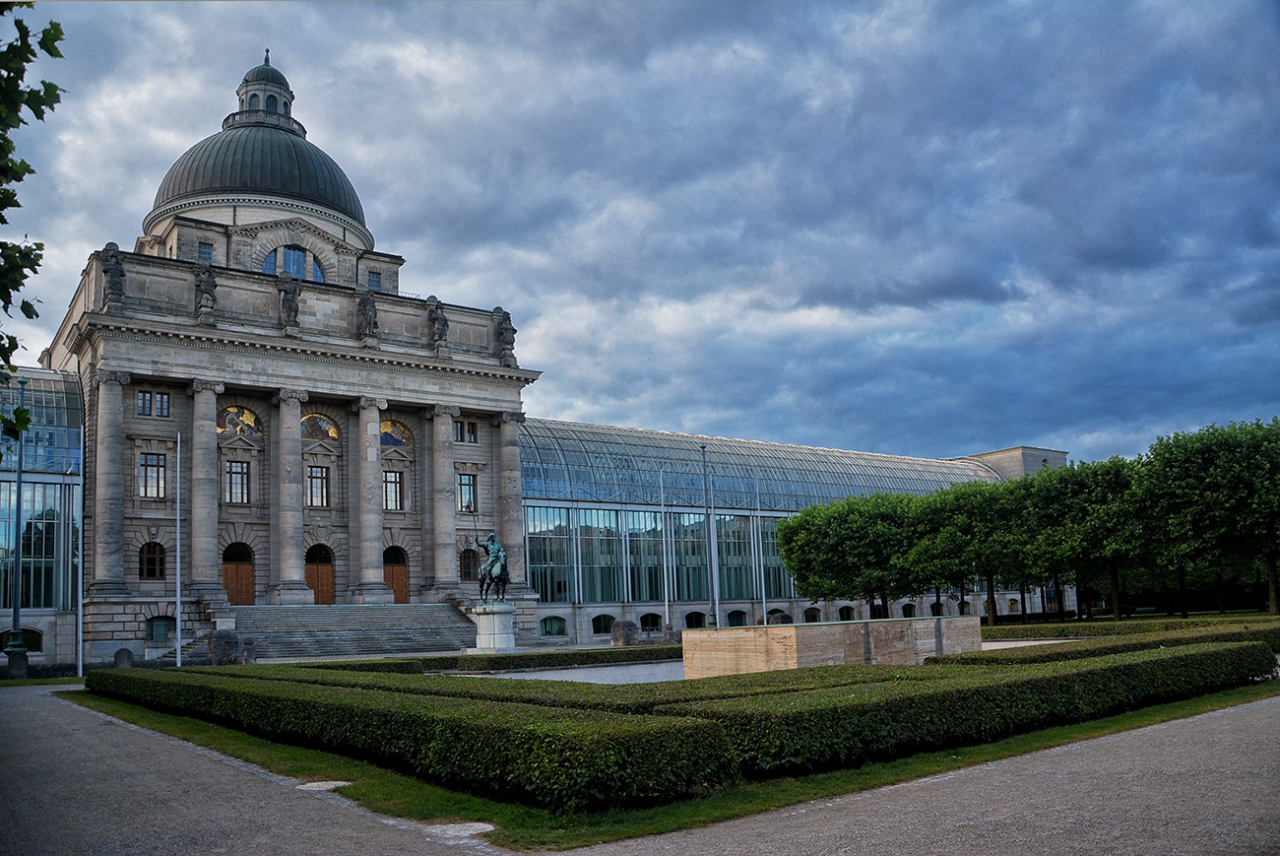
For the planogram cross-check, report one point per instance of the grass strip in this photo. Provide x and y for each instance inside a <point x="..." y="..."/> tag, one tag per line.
<point x="525" y="828"/>
<point x="1268" y="632"/>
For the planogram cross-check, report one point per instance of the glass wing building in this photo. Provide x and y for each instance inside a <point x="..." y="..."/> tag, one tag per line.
<point x="681" y="530"/>
<point x="52" y="459"/>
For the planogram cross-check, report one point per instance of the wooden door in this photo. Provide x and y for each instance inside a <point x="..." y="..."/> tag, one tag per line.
<point x="320" y="581"/>
<point x="237" y="579"/>
<point x="396" y="577"/>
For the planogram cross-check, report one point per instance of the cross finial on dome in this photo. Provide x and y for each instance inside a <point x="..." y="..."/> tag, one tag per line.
<point x="267" y="59"/>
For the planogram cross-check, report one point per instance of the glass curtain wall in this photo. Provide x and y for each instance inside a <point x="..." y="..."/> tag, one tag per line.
<point x="737" y="574"/>
<point x="777" y="582"/>
<point x="50" y="545"/>
<point x="550" y="553"/>
<point x="601" y="542"/>
<point x="689" y="543"/>
<point x="644" y="545"/>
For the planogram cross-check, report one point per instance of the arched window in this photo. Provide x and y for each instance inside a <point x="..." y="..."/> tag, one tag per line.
<point x="812" y="615"/>
<point x="737" y="618"/>
<point x="272" y="104"/>
<point x="847" y="614"/>
<point x="908" y="610"/>
<point x="777" y="616"/>
<point x="469" y="565"/>
<point x="553" y="626"/>
<point x="936" y="609"/>
<point x="1014" y="606"/>
<point x="601" y="624"/>
<point x="695" y="621"/>
<point x="254" y="103"/>
<point x="651" y="622"/>
<point x="294" y="262"/>
<point x="32" y="640"/>
<point x="151" y="561"/>
<point x="877" y="611"/>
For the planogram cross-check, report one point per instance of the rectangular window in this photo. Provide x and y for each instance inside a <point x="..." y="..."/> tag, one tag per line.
<point x="153" y="404"/>
<point x="162" y="404"/>
<point x="144" y="404"/>
<point x="375" y="281"/>
<point x="318" y="487"/>
<point x="393" y="491"/>
<point x="467" y="492"/>
<point x="466" y="432"/>
<point x="235" y="482"/>
<point x="151" y="475"/>
<point x="204" y="252"/>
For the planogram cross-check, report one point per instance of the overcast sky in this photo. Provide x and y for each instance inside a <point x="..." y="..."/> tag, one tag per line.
<point x="906" y="227"/>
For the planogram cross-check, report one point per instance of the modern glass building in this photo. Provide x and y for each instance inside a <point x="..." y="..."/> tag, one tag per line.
<point x="681" y="530"/>
<point x="52" y="459"/>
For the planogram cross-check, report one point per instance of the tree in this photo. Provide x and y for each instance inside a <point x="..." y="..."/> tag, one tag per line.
<point x="851" y="549"/>
<point x="19" y="260"/>
<point x="968" y="530"/>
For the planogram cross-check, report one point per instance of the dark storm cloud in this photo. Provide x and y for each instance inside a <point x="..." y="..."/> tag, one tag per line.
<point x="921" y="228"/>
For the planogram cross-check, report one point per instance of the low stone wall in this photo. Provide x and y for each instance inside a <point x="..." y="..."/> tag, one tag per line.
<point x="901" y="641"/>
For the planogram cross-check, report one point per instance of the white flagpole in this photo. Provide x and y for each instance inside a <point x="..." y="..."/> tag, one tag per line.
<point x="177" y="610"/>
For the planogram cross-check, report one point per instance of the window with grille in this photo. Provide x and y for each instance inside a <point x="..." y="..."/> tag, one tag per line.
<point x="235" y="482"/>
<point x="466" y="432"/>
<point x="318" y="487"/>
<point x="204" y="252"/>
<point x="375" y="281"/>
<point x="151" y="561"/>
<point x="393" y="491"/>
<point x="151" y="475"/>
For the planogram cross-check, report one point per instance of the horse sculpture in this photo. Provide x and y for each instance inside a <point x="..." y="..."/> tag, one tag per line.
<point x="493" y="574"/>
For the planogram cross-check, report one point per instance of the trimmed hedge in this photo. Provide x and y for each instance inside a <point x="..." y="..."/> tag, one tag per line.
<point x="831" y="728"/>
<point x="505" y="662"/>
<point x="563" y="758"/>
<point x="1114" y="628"/>
<point x="1098" y="647"/>
<point x="622" y="698"/>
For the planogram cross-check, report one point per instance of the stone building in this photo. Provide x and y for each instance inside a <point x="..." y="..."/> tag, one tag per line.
<point x="315" y="454"/>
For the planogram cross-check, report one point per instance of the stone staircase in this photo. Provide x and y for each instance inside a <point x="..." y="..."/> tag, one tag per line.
<point x="354" y="630"/>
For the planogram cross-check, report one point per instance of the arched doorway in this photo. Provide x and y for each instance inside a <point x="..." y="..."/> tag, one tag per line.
<point x="320" y="573"/>
<point x="395" y="572"/>
<point x="237" y="574"/>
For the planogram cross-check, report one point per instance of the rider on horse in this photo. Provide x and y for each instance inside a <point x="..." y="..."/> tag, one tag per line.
<point x="493" y="574"/>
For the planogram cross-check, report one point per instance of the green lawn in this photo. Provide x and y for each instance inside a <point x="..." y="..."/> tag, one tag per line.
<point x="524" y="828"/>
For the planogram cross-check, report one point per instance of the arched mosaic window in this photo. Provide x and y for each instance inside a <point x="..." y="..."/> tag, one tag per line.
<point x="318" y="427"/>
<point x="395" y="433"/>
<point x="239" y="421"/>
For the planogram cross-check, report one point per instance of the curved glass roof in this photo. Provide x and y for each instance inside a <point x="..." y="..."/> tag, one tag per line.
<point x="52" y="443"/>
<point x="597" y="463"/>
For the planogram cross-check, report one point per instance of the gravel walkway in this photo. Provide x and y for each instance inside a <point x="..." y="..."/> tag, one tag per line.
<point x="1206" y="786"/>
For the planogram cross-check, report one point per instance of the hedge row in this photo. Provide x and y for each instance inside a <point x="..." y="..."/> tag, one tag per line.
<point x="832" y="728"/>
<point x="1117" y="628"/>
<point x="1269" y="633"/>
<point x="624" y="698"/>
<point x="563" y="758"/>
<point x="502" y="662"/>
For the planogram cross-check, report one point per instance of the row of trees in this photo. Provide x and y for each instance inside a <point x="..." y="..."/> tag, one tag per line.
<point x="1198" y="510"/>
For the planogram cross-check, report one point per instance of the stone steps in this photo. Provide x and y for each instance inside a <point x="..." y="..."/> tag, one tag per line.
<point x="354" y="630"/>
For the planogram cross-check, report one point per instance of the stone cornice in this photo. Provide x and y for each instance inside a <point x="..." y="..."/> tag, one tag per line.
<point x="329" y="352"/>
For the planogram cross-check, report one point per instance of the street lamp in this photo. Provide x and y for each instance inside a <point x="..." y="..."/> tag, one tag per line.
<point x="15" y="650"/>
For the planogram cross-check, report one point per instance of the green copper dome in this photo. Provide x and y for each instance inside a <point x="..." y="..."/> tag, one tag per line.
<point x="261" y="159"/>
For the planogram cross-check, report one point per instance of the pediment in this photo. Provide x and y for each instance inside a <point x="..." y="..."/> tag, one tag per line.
<point x="393" y="453"/>
<point x="241" y="442"/>
<point x="321" y="447"/>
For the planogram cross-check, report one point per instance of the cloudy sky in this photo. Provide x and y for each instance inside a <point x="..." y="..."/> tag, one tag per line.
<point x="907" y="227"/>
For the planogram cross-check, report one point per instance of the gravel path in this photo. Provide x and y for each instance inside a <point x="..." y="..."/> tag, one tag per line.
<point x="1206" y="786"/>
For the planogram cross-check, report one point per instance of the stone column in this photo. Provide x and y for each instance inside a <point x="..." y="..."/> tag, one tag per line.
<point x="444" y="499"/>
<point x="108" y="488"/>
<point x="367" y="540"/>
<point x="510" y="498"/>
<point x="290" y="587"/>
<point x="205" y="561"/>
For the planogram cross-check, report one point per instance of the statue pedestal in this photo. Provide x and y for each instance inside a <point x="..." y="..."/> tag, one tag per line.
<point x="495" y="628"/>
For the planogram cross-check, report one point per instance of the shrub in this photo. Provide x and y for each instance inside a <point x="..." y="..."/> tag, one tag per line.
<point x="562" y="758"/>
<point x="1269" y="633"/>
<point x="837" y="727"/>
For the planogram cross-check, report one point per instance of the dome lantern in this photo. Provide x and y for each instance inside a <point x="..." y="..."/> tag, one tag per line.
<point x="265" y="89"/>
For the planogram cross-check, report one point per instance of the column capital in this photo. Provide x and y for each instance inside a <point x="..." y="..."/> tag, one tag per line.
<point x="446" y="410"/>
<point x="369" y="401"/>
<point x="206" y="386"/>
<point x="511" y="416"/>
<point x="289" y="395"/>
<point x="111" y="376"/>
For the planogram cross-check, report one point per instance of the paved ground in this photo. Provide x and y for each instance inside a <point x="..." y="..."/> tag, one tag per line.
<point x="73" y="782"/>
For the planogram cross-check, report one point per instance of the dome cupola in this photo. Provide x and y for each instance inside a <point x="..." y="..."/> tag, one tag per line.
<point x="261" y="167"/>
